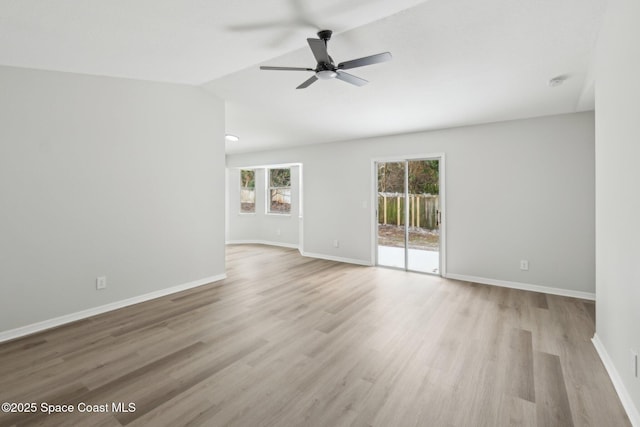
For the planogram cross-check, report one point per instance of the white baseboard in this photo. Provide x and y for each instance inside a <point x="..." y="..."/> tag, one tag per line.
<point x="623" y="393"/>
<point x="262" y="242"/>
<point x="336" y="258"/>
<point x="524" y="286"/>
<point x="307" y="254"/>
<point x="68" y="318"/>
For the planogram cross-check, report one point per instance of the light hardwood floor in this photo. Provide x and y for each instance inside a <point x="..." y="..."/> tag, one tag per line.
<point x="293" y="341"/>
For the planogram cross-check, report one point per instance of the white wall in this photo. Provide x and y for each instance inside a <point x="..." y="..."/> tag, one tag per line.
<point x="261" y="227"/>
<point x="515" y="190"/>
<point x="104" y="176"/>
<point x="618" y="195"/>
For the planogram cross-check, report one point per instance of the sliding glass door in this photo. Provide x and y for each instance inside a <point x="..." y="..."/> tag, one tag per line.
<point x="409" y="215"/>
<point x="391" y="214"/>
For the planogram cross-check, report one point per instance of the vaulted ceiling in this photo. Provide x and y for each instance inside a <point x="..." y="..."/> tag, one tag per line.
<point x="455" y="62"/>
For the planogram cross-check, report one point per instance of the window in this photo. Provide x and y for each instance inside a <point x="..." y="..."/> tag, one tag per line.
<point x="247" y="191"/>
<point x="279" y="191"/>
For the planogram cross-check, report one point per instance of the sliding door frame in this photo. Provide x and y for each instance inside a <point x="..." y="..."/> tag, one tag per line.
<point x="374" y="205"/>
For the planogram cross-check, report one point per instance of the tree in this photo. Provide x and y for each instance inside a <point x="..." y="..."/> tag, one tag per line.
<point x="247" y="178"/>
<point x="423" y="177"/>
<point x="280" y="177"/>
<point x="391" y="177"/>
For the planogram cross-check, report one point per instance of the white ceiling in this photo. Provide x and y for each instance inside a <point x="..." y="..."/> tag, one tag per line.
<point x="455" y="62"/>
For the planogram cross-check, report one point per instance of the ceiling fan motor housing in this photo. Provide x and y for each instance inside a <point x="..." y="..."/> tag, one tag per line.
<point x="325" y="35"/>
<point x="322" y="66"/>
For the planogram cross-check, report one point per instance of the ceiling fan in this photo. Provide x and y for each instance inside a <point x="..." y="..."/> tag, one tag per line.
<point x="326" y="68"/>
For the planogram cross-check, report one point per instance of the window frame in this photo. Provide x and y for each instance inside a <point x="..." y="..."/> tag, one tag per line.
<point x="241" y="212"/>
<point x="270" y="188"/>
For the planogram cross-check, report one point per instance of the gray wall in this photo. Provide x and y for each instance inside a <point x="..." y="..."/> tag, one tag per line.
<point x="104" y="176"/>
<point x="515" y="190"/>
<point x="262" y="227"/>
<point x="618" y="193"/>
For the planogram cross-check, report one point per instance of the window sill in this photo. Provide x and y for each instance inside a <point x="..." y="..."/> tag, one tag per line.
<point x="278" y="214"/>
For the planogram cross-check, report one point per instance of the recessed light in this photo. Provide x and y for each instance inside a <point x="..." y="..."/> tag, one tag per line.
<point x="231" y="138"/>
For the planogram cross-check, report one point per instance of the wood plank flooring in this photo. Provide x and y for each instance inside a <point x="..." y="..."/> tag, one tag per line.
<point x="293" y="341"/>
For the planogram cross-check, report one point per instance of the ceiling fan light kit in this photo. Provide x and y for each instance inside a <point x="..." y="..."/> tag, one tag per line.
<point x="326" y="74"/>
<point x="326" y="68"/>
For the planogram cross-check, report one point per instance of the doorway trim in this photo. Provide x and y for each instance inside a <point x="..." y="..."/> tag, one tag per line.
<point x="443" y="203"/>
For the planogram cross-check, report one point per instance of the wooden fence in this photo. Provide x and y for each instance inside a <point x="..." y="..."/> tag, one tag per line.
<point x="423" y="210"/>
<point x="247" y="195"/>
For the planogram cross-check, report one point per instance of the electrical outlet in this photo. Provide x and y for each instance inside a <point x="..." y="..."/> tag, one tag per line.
<point x="634" y="363"/>
<point x="524" y="265"/>
<point x="336" y="244"/>
<point x="101" y="282"/>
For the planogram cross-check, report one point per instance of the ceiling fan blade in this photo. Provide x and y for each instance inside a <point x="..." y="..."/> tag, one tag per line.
<point x="265" y="25"/>
<point x="308" y="82"/>
<point x="319" y="49"/>
<point x="264" y="67"/>
<point x="301" y="18"/>
<point x="367" y="60"/>
<point x="350" y="78"/>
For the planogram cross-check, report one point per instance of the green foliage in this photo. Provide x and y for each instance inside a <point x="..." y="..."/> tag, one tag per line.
<point x="423" y="177"/>
<point x="279" y="177"/>
<point x="247" y="178"/>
